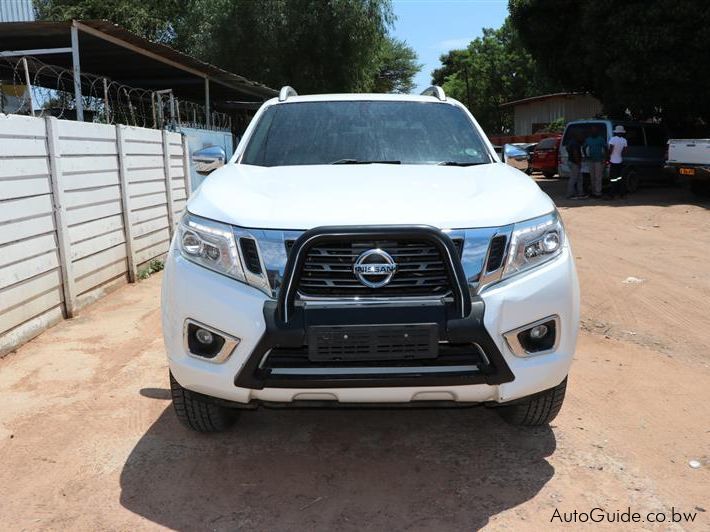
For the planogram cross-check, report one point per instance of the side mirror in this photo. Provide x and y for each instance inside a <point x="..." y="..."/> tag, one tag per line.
<point x="208" y="159"/>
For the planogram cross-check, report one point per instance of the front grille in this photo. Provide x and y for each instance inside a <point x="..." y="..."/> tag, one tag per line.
<point x="328" y="270"/>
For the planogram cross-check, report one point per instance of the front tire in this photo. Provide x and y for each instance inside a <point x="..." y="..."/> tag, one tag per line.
<point x="198" y="412"/>
<point x="536" y="410"/>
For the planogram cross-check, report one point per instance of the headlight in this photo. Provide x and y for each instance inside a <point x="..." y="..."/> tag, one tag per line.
<point x="210" y="244"/>
<point x="534" y="242"/>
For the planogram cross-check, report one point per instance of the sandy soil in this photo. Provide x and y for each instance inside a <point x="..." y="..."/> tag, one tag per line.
<point x="88" y="439"/>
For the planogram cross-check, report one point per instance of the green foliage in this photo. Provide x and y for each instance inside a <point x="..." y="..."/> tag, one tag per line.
<point x="148" y="18"/>
<point x="154" y="266"/>
<point x="313" y="45"/>
<point x="556" y="126"/>
<point x="647" y="57"/>
<point x="492" y="70"/>
<point x="397" y="67"/>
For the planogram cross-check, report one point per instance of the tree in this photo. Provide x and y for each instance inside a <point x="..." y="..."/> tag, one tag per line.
<point x="647" y="57"/>
<point x="148" y="18"/>
<point x="313" y="45"/>
<point x="493" y="69"/>
<point x="397" y="67"/>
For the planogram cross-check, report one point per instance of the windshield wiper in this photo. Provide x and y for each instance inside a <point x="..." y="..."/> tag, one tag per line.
<point x="357" y="161"/>
<point x="457" y="163"/>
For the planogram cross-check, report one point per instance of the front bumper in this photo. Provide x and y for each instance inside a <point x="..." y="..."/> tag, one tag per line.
<point x="192" y="292"/>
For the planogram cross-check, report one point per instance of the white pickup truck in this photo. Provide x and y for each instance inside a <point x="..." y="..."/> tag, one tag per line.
<point x="691" y="158"/>
<point x="368" y="249"/>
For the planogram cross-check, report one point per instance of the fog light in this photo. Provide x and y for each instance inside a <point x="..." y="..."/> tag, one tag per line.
<point x="536" y="338"/>
<point x="207" y="343"/>
<point x="539" y="332"/>
<point x="204" y="336"/>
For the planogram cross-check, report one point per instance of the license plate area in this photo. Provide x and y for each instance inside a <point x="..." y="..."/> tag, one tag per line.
<point x="687" y="171"/>
<point x="328" y="343"/>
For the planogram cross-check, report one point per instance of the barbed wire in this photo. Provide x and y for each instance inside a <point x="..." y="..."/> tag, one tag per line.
<point x="29" y="86"/>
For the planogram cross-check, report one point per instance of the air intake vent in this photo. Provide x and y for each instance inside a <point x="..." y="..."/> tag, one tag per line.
<point x="496" y="253"/>
<point x="250" y="255"/>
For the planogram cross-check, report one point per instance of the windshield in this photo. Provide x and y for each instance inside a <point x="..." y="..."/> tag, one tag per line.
<point x="352" y="132"/>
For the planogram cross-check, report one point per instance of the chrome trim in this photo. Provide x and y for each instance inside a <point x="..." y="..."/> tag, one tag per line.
<point x="271" y="244"/>
<point x="286" y="92"/>
<point x="488" y="278"/>
<point x="230" y="343"/>
<point x="259" y="281"/>
<point x="511" y="338"/>
<point x="435" y="91"/>
<point x="314" y="302"/>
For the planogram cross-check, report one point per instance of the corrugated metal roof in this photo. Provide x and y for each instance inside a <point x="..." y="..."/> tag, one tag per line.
<point x="541" y="97"/>
<point x="109" y="50"/>
<point x="16" y="11"/>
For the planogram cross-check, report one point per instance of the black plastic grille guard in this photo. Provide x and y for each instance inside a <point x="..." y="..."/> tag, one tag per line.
<point x="325" y="234"/>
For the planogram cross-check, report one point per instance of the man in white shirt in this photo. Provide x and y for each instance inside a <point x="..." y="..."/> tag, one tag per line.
<point x="617" y="146"/>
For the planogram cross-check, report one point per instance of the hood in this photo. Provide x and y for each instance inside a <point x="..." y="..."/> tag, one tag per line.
<point x="303" y="197"/>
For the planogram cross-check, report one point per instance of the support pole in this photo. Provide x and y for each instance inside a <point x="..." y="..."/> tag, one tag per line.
<point x="106" y="107"/>
<point x="186" y="165"/>
<point x="155" y="117"/>
<point x="29" y="85"/>
<point x="208" y="121"/>
<point x="60" y="217"/>
<point x="77" y="73"/>
<point x="172" y="111"/>
<point x="126" y="202"/>
<point x="168" y="183"/>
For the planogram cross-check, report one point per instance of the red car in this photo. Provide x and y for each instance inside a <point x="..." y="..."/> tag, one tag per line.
<point x="544" y="157"/>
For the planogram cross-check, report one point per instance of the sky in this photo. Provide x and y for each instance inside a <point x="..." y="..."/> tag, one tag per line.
<point x="433" y="27"/>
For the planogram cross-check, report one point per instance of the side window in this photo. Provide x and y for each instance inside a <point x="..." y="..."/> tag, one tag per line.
<point x="655" y="136"/>
<point x="634" y="136"/>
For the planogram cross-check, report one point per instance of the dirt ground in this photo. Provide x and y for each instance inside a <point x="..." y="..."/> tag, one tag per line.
<point x="88" y="439"/>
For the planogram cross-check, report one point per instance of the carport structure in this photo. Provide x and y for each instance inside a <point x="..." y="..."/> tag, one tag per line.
<point x="107" y="50"/>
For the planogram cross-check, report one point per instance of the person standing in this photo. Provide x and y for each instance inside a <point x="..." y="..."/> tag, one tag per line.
<point x="595" y="150"/>
<point x="617" y="146"/>
<point x="575" y="186"/>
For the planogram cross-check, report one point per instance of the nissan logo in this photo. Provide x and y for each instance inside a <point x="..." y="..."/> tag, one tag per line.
<point x="374" y="268"/>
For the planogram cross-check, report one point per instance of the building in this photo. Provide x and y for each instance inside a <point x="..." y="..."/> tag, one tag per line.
<point x="532" y="114"/>
<point x="16" y="11"/>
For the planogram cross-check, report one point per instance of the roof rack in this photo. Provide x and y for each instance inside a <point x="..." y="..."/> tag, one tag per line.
<point x="435" y="91"/>
<point x="285" y="92"/>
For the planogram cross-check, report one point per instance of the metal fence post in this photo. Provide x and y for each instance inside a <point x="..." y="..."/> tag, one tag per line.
<point x="29" y="85"/>
<point x="76" y="67"/>
<point x="168" y="183"/>
<point x="106" y="107"/>
<point x="186" y="165"/>
<point x="125" y="204"/>
<point x="60" y="216"/>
